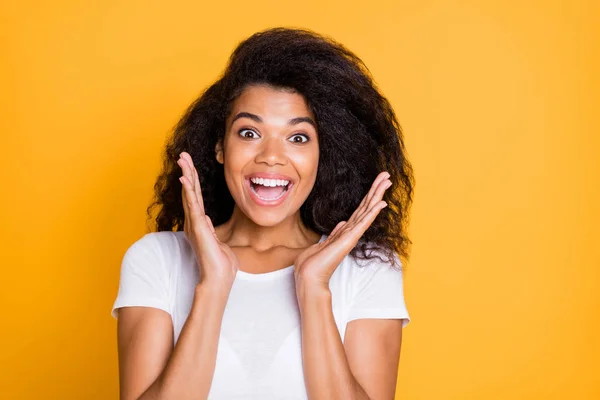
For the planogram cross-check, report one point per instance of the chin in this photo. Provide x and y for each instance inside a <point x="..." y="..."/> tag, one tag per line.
<point x="266" y="218"/>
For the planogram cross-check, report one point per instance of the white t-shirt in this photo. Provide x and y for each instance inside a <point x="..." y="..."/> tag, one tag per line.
<point x="259" y="352"/>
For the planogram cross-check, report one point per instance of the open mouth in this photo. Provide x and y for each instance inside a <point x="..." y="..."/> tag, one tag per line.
<point x="269" y="190"/>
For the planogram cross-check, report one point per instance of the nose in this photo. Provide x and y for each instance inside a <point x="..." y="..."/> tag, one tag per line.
<point x="272" y="152"/>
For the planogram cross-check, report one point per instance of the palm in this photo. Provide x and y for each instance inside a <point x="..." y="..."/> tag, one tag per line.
<point x="318" y="262"/>
<point x="217" y="262"/>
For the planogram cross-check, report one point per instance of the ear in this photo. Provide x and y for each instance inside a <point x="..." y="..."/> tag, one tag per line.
<point x="219" y="152"/>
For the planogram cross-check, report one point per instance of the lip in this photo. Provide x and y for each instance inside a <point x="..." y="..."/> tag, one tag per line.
<point x="268" y="203"/>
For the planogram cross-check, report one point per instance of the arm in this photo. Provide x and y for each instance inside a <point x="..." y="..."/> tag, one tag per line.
<point x="148" y="368"/>
<point x="331" y="368"/>
<point x="373" y="350"/>
<point x="326" y="370"/>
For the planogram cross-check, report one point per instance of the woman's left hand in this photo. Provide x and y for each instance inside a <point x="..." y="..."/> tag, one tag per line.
<point x="315" y="265"/>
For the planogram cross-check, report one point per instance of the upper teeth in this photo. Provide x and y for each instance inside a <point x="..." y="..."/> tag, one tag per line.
<point x="269" y="182"/>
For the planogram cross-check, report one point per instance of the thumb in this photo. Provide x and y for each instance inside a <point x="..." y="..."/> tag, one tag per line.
<point x="210" y="225"/>
<point x="337" y="228"/>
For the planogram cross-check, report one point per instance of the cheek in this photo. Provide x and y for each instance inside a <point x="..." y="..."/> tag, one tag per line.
<point x="232" y="174"/>
<point x="238" y="154"/>
<point x="307" y="166"/>
<point x="235" y="161"/>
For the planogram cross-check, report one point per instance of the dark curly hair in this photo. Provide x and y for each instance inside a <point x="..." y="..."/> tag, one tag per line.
<point x="358" y="135"/>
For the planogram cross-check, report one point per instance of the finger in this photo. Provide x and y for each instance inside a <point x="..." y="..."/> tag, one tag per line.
<point x="368" y="218"/>
<point x="185" y="206"/>
<point x="184" y="199"/>
<point x="372" y="203"/>
<point x="210" y="225"/>
<point x="378" y="195"/>
<point x="187" y="171"/>
<point x="363" y="206"/>
<point x="190" y="199"/>
<point x="187" y="168"/>
<point x="182" y="162"/>
<point x="195" y="179"/>
<point x="375" y="205"/>
<point x="184" y="168"/>
<point x="382" y="177"/>
<point x="337" y="228"/>
<point x="194" y="173"/>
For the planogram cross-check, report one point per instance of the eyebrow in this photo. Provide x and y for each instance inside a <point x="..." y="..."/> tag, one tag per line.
<point x="256" y="118"/>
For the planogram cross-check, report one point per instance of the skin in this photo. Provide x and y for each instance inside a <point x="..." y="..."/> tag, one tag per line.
<point x="269" y="145"/>
<point x="364" y="366"/>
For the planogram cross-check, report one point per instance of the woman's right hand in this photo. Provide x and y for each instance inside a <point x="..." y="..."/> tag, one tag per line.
<point x="217" y="262"/>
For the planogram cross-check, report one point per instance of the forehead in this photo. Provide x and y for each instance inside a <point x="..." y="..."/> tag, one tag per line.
<point x="266" y="101"/>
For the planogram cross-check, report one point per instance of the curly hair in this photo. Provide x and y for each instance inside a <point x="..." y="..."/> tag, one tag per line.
<point x="359" y="137"/>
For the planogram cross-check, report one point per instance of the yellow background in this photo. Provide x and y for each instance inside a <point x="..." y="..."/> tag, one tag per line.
<point x="498" y="101"/>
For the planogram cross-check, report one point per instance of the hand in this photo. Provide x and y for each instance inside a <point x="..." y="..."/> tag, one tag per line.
<point x="217" y="262"/>
<point x="316" y="264"/>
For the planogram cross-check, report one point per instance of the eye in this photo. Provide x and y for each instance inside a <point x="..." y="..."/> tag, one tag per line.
<point x="300" y="135"/>
<point x="247" y="133"/>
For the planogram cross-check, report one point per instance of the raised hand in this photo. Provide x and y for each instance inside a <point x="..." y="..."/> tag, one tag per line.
<point x="217" y="262"/>
<point x="316" y="264"/>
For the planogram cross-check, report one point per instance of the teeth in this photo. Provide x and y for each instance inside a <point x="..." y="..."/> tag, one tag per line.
<point x="269" y="182"/>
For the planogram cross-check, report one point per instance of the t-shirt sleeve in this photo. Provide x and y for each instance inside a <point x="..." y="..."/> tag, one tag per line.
<point x="144" y="280"/>
<point x="378" y="292"/>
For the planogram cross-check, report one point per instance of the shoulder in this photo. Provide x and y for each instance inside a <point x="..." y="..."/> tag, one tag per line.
<point x="377" y="287"/>
<point x="377" y="262"/>
<point x="148" y="272"/>
<point x="159" y="241"/>
<point x="355" y="273"/>
<point x="368" y="276"/>
<point x="157" y="248"/>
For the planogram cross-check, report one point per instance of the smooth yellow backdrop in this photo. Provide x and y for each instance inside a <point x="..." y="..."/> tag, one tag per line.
<point x="498" y="101"/>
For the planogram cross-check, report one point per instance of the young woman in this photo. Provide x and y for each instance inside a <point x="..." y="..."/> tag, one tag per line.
<point x="275" y="269"/>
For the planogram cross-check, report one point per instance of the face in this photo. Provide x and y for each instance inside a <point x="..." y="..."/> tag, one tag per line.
<point x="270" y="153"/>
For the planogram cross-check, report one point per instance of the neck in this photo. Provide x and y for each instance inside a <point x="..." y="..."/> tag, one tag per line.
<point x="241" y="231"/>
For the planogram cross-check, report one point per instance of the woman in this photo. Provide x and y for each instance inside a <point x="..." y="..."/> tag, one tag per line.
<point x="275" y="270"/>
